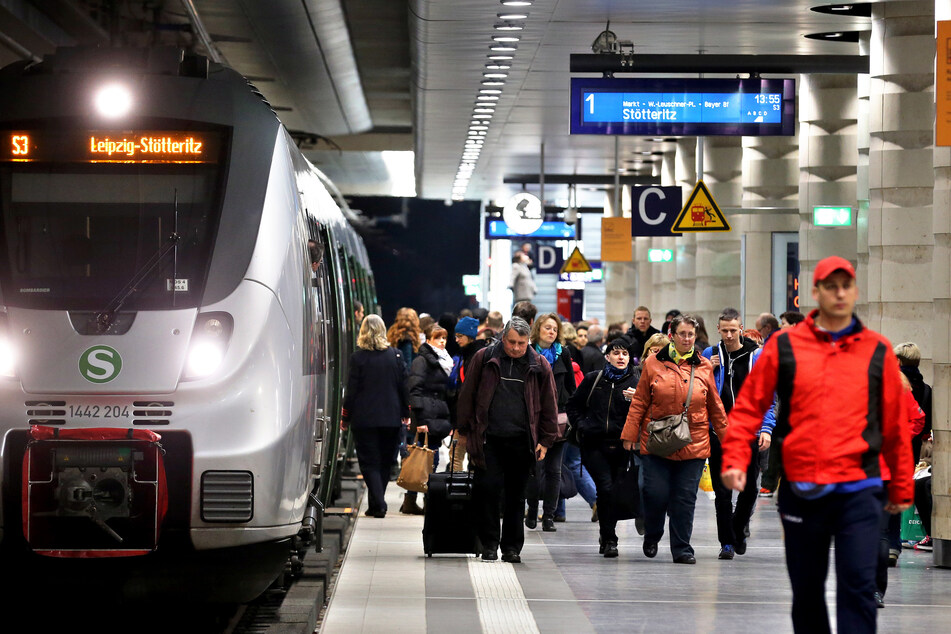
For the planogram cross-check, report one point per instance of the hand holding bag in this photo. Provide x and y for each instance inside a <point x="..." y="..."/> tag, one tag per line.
<point x="671" y="433"/>
<point x="416" y="467"/>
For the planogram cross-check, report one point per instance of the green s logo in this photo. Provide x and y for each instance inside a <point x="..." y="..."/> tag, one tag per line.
<point x="100" y="364"/>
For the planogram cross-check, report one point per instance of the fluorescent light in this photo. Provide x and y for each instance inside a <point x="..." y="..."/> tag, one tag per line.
<point x="509" y="26"/>
<point x="488" y="98"/>
<point x="506" y="38"/>
<point x="503" y="47"/>
<point x="481" y="116"/>
<point x="478" y="127"/>
<point x="498" y="66"/>
<point x="490" y="91"/>
<point x="492" y="82"/>
<point x="501" y="57"/>
<point x="512" y="16"/>
<point x="484" y="110"/>
<point x="517" y="3"/>
<point x="495" y="75"/>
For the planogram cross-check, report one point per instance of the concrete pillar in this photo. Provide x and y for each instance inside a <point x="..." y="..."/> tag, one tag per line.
<point x="828" y="155"/>
<point x="863" y="142"/>
<point x="940" y="348"/>
<point x="717" y="264"/>
<point x="770" y="179"/>
<point x="901" y="174"/>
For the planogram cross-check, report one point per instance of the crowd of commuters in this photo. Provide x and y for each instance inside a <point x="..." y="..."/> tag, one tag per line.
<point x="540" y="408"/>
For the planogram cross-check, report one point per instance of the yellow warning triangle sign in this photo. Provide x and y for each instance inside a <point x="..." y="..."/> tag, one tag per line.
<point x="576" y="263"/>
<point x="701" y="213"/>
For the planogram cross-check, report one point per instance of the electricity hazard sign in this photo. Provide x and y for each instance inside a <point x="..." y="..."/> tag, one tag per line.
<point x="701" y="213"/>
<point x="576" y="263"/>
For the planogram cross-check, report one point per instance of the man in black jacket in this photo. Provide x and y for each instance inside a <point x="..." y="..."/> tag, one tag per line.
<point x="640" y="331"/>
<point x="508" y="412"/>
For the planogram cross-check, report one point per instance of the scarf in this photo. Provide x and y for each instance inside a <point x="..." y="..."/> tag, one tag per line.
<point x="614" y="374"/>
<point x="676" y="356"/>
<point x="444" y="360"/>
<point x="551" y="354"/>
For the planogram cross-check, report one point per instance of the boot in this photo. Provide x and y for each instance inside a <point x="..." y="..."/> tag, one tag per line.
<point x="531" y="517"/>
<point x="410" y="507"/>
<point x="548" y="524"/>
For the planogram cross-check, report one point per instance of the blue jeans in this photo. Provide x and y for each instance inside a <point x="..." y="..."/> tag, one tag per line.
<point x="809" y="527"/>
<point x="572" y="462"/>
<point x="670" y="489"/>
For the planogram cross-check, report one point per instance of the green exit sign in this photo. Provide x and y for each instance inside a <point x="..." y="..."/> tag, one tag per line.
<point x="660" y="255"/>
<point x="823" y="216"/>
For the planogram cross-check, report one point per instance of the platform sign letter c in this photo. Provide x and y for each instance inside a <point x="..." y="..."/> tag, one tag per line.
<point x="642" y="206"/>
<point x="100" y="364"/>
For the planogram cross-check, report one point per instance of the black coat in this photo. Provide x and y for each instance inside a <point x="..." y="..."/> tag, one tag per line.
<point x="604" y="413"/>
<point x="636" y="340"/>
<point x="593" y="358"/>
<point x="427" y="385"/>
<point x="376" y="389"/>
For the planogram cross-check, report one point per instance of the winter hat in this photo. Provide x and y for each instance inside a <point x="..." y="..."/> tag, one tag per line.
<point x="468" y="326"/>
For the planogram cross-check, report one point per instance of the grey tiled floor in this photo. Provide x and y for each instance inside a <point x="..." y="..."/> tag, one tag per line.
<point x="388" y="585"/>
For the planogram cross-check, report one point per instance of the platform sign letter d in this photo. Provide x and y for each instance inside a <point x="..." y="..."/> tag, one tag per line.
<point x="100" y="364"/>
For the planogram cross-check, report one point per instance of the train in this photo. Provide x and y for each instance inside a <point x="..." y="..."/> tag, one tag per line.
<point x="178" y="288"/>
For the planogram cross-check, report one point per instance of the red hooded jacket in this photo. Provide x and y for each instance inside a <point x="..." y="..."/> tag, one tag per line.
<point x="840" y="405"/>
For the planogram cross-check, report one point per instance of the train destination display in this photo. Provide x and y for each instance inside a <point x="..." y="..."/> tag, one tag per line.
<point x="110" y="146"/>
<point x="652" y="107"/>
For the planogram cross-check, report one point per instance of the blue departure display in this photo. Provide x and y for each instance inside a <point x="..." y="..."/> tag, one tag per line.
<point x="649" y="107"/>
<point x="550" y="230"/>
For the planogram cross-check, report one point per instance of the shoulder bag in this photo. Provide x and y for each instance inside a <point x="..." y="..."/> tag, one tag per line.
<point x="416" y="467"/>
<point x="670" y="434"/>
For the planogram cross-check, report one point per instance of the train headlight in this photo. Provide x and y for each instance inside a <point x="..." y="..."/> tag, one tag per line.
<point x="113" y="101"/>
<point x="8" y="353"/>
<point x="7" y="358"/>
<point x="209" y="344"/>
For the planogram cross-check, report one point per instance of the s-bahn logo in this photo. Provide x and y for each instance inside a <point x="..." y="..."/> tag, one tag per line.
<point x="100" y="364"/>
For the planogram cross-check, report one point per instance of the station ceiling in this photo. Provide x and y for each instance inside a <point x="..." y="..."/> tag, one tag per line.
<point x="353" y="79"/>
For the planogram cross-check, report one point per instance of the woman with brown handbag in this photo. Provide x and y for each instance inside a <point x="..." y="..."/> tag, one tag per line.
<point x="547" y="341"/>
<point x="376" y="408"/>
<point x="674" y="405"/>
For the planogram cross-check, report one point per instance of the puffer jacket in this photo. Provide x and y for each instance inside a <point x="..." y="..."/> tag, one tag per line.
<point x="427" y="394"/>
<point x="662" y="391"/>
<point x="598" y="407"/>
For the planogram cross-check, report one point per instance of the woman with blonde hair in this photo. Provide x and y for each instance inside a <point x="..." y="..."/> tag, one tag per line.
<point x="546" y="339"/>
<point x="375" y="408"/>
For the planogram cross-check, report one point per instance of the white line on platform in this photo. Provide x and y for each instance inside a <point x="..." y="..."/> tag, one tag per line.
<point x="502" y="604"/>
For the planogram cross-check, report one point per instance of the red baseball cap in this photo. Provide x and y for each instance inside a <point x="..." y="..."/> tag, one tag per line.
<point x="828" y="266"/>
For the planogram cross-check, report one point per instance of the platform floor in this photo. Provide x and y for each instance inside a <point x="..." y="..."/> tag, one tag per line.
<point x="563" y="585"/>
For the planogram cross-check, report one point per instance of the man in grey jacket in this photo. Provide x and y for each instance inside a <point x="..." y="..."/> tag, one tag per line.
<point x="523" y="284"/>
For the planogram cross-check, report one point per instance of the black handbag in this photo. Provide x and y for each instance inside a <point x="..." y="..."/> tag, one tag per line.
<point x="625" y="493"/>
<point x="670" y="434"/>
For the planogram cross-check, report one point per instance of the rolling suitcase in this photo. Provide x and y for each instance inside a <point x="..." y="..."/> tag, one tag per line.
<point x="449" y="524"/>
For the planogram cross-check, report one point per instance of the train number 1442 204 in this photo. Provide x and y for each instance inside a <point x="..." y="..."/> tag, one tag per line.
<point x="99" y="411"/>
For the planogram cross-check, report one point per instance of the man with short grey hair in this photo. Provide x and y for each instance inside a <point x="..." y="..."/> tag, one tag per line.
<point x="508" y="412"/>
<point x="591" y="353"/>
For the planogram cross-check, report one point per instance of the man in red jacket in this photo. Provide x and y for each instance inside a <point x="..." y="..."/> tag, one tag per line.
<point x="840" y="405"/>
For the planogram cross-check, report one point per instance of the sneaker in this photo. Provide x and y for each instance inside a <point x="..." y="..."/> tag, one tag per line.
<point x="893" y="558"/>
<point x="726" y="552"/>
<point x="765" y="493"/>
<point x="924" y="544"/>
<point x="879" y="600"/>
<point x="490" y="555"/>
<point x="511" y="557"/>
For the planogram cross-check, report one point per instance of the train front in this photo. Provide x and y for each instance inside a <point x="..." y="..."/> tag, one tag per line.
<point x="153" y="406"/>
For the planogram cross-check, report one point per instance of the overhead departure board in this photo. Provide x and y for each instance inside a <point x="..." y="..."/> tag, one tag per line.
<point x="683" y="107"/>
<point x="110" y="146"/>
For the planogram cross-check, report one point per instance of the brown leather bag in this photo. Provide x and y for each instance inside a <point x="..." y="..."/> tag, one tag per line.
<point x="670" y="434"/>
<point x="416" y="467"/>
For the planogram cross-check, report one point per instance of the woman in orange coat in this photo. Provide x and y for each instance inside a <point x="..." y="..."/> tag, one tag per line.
<point x="671" y="483"/>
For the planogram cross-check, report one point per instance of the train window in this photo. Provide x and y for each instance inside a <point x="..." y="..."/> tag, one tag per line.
<point x="72" y="236"/>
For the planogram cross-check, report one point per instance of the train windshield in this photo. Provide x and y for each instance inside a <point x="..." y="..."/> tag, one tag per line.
<point x="75" y="234"/>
